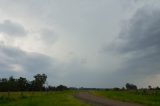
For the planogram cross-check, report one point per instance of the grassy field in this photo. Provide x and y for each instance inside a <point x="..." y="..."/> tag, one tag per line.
<point x="145" y="98"/>
<point x="66" y="98"/>
<point x="63" y="98"/>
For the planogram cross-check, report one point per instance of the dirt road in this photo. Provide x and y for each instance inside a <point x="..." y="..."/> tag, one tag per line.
<point x="98" y="101"/>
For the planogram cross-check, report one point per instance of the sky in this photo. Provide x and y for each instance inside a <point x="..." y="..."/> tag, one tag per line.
<point x="81" y="43"/>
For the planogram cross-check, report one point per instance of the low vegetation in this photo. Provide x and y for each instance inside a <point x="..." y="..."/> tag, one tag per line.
<point x="58" y="98"/>
<point x="145" y="96"/>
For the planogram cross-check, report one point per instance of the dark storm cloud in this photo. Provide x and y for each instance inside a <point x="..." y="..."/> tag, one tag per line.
<point x="143" y="32"/>
<point x="12" y="28"/>
<point x="140" y="43"/>
<point x="31" y="63"/>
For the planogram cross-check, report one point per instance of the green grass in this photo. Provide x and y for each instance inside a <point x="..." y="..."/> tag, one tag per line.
<point x="63" y="98"/>
<point x="147" y="99"/>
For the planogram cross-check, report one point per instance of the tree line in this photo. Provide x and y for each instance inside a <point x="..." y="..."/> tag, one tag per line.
<point x="23" y="84"/>
<point x="130" y="86"/>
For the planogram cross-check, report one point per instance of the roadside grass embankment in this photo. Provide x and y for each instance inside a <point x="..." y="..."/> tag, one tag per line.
<point x="147" y="98"/>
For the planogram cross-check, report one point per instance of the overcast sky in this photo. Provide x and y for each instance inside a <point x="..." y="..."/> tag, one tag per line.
<point x="89" y="43"/>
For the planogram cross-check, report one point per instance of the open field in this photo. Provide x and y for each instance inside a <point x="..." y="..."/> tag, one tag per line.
<point x="100" y="101"/>
<point x="150" y="98"/>
<point x="66" y="98"/>
<point x="61" y="98"/>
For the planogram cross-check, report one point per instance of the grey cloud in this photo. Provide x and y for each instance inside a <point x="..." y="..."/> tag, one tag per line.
<point x="76" y="74"/>
<point x="140" y="43"/>
<point x="143" y="32"/>
<point x="12" y="28"/>
<point x="30" y="63"/>
<point x="73" y="73"/>
<point x="48" y="36"/>
<point x="139" y="46"/>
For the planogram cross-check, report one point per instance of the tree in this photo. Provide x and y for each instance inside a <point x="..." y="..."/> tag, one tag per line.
<point x="22" y="82"/>
<point x="4" y="84"/>
<point x="12" y="84"/>
<point x="40" y="79"/>
<point x="150" y="87"/>
<point x="157" y="88"/>
<point x="131" y="86"/>
<point x="61" y="88"/>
